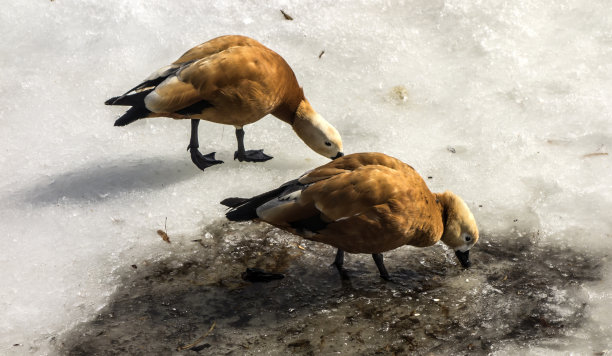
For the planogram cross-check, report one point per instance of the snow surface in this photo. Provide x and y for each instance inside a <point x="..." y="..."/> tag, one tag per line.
<point x="505" y="103"/>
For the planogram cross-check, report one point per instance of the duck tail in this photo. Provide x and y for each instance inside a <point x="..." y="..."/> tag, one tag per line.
<point x="233" y="202"/>
<point x="243" y="209"/>
<point x="244" y="212"/>
<point x="133" y="114"/>
<point x="137" y="110"/>
<point x="135" y="98"/>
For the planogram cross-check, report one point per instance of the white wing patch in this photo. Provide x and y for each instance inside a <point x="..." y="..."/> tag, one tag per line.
<point x="346" y="217"/>
<point x="268" y="210"/>
<point x="153" y="100"/>
<point x="308" y="234"/>
<point x="291" y="196"/>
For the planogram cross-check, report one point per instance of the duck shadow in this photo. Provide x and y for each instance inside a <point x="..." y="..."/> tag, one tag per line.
<point x="106" y="180"/>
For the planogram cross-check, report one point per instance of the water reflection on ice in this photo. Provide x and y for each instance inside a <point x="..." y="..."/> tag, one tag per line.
<point x="516" y="292"/>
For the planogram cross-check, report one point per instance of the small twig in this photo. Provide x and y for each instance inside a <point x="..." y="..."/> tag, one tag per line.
<point x="287" y="17"/>
<point x="321" y="54"/>
<point x="193" y="344"/>
<point x="594" y="154"/>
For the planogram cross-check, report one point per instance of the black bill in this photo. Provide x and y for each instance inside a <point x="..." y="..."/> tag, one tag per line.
<point x="464" y="258"/>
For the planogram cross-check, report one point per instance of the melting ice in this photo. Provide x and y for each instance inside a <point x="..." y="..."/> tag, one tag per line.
<point x="504" y="103"/>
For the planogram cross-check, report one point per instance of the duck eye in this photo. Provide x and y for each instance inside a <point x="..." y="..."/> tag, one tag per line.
<point x="327" y="143"/>
<point x="468" y="238"/>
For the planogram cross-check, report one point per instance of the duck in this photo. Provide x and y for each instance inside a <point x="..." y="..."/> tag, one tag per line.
<point x="364" y="203"/>
<point x="231" y="80"/>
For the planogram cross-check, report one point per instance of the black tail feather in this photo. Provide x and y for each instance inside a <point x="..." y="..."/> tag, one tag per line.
<point x="137" y="110"/>
<point x="246" y="209"/>
<point x="133" y="114"/>
<point x="243" y="213"/>
<point x="111" y="101"/>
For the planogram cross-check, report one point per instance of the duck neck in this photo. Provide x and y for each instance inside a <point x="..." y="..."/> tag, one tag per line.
<point x="304" y="112"/>
<point x="287" y="110"/>
<point x="444" y="202"/>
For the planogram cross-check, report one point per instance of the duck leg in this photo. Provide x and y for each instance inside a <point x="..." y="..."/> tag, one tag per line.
<point x="378" y="259"/>
<point x="339" y="262"/>
<point x="200" y="160"/>
<point x="250" y="155"/>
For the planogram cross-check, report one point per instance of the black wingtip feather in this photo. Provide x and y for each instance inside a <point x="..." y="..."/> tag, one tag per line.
<point x="234" y="202"/>
<point x="111" y="101"/>
<point x="121" y="100"/>
<point x="246" y="209"/>
<point x="136" y="99"/>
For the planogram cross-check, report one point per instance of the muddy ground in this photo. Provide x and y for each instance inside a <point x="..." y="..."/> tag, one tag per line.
<point x="517" y="291"/>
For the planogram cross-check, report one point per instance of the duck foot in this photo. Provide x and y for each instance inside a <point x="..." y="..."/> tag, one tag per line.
<point x="378" y="259"/>
<point x="202" y="161"/>
<point x="252" y="156"/>
<point x="259" y="275"/>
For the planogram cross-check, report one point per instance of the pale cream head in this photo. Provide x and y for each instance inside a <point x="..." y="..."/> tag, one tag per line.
<point x="460" y="229"/>
<point x="316" y="132"/>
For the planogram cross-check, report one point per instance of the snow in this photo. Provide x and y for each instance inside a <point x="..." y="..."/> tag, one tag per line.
<point x="505" y="103"/>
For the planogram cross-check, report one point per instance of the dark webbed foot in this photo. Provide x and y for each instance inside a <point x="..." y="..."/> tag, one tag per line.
<point x="252" y="156"/>
<point x="203" y="161"/>
<point x="378" y="259"/>
<point x="200" y="160"/>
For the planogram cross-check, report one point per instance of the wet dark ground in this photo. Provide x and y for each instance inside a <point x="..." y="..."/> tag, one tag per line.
<point x="516" y="291"/>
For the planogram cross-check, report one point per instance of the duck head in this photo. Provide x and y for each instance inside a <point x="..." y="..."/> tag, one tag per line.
<point x="460" y="229"/>
<point x="316" y="132"/>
